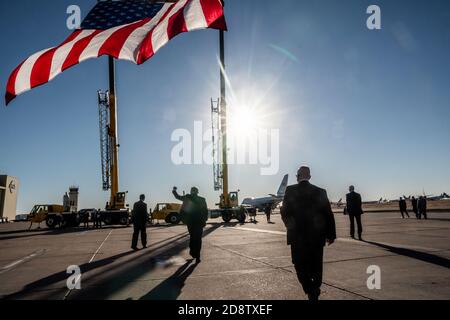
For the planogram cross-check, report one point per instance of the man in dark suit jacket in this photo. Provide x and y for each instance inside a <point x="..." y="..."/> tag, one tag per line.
<point x="139" y="217"/>
<point x="194" y="213"/>
<point x="422" y="206"/>
<point x="309" y="221"/>
<point x="354" y="211"/>
<point x="414" y="206"/>
<point x="403" y="208"/>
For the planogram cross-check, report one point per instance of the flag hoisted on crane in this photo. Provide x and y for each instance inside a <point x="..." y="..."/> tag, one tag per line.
<point x="131" y="30"/>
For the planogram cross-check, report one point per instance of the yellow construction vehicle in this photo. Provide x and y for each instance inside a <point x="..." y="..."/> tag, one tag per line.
<point x="169" y="212"/>
<point x="53" y="215"/>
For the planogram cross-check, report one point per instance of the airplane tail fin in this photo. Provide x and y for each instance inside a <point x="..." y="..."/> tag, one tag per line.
<point x="283" y="186"/>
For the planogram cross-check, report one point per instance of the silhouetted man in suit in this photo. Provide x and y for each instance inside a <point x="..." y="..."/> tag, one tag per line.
<point x="414" y="207"/>
<point x="354" y="211"/>
<point x="268" y="212"/>
<point x="422" y="205"/>
<point x="194" y="213"/>
<point x="309" y="221"/>
<point x="139" y="217"/>
<point x="402" y="205"/>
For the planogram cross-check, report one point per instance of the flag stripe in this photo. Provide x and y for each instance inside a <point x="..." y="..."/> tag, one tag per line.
<point x="146" y="50"/>
<point x="213" y="10"/>
<point x="131" y="47"/>
<point x="41" y="70"/>
<point x="23" y="76"/>
<point x="176" y="24"/>
<point x="74" y="54"/>
<point x="96" y="43"/>
<point x="62" y="52"/>
<point x="113" y="45"/>
<point x="10" y="87"/>
<point x="194" y="16"/>
<point x="160" y="35"/>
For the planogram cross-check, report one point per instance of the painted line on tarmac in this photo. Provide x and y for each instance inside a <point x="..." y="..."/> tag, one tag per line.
<point x="101" y="245"/>
<point x="21" y="261"/>
<point x="259" y="230"/>
<point x="288" y="270"/>
<point x="92" y="259"/>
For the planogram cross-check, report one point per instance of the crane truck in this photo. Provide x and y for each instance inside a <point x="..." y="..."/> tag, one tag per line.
<point x="116" y="210"/>
<point x="229" y="207"/>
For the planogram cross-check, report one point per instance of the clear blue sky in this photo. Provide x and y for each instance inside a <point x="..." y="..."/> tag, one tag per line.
<point x="369" y="108"/>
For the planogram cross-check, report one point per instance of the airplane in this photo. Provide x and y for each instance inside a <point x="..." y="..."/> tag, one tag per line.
<point x="443" y="196"/>
<point x="338" y="204"/>
<point x="273" y="200"/>
<point x="379" y="201"/>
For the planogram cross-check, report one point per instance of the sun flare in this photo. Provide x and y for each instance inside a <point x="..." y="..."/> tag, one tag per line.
<point x="244" y="120"/>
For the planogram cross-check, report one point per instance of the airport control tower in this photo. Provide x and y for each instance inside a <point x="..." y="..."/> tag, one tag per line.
<point x="73" y="198"/>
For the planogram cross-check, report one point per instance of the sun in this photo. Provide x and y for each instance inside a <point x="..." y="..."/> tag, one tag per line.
<point x="244" y="120"/>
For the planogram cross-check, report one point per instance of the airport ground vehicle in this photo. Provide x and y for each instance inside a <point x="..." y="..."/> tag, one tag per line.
<point x="229" y="208"/>
<point x="21" y="217"/>
<point x="116" y="212"/>
<point x="169" y="212"/>
<point x="53" y="215"/>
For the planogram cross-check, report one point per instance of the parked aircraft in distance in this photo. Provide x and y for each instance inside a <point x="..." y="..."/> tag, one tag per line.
<point x="272" y="200"/>
<point x="443" y="196"/>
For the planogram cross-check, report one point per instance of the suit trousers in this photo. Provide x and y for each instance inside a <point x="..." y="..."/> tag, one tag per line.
<point x="142" y="229"/>
<point x="195" y="241"/>
<point x="308" y="262"/>
<point x="352" y="224"/>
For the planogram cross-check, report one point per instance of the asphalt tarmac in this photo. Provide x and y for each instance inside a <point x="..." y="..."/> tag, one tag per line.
<point x="239" y="261"/>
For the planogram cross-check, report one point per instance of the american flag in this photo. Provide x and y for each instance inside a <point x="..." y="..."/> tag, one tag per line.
<point x="131" y="30"/>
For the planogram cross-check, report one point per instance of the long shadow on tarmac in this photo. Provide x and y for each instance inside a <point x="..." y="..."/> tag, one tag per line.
<point x="51" y="232"/>
<point x="103" y="284"/>
<point x="43" y="283"/>
<point x="438" y="219"/>
<point x="111" y="281"/>
<point x="423" y="256"/>
<point x="170" y="288"/>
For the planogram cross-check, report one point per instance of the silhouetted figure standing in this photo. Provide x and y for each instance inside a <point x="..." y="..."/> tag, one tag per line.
<point x="139" y="218"/>
<point x="402" y="205"/>
<point x="309" y="221"/>
<point x="354" y="211"/>
<point x="85" y="218"/>
<point x="422" y="206"/>
<point x="194" y="213"/>
<point x="97" y="217"/>
<point x="414" y="207"/>
<point x="268" y="212"/>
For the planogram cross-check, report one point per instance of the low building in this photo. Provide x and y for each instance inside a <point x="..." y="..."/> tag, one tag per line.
<point x="9" y="187"/>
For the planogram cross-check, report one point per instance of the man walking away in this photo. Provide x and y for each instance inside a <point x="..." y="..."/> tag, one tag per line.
<point x="309" y="221"/>
<point x="422" y="207"/>
<point x="194" y="213"/>
<point x="354" y="211"/>
<point x="139" y="218"/>
<point x="414" y="207"/>
<point x="402" y="205"/>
